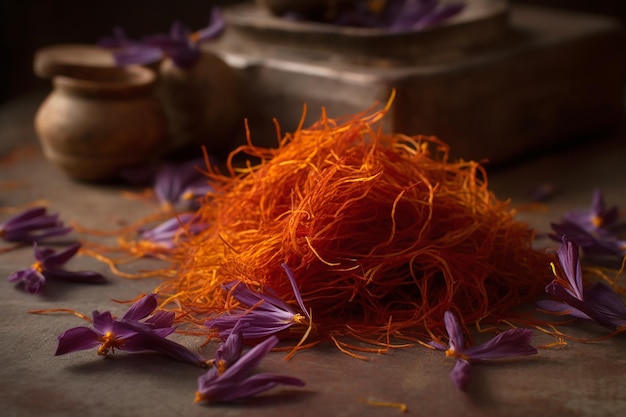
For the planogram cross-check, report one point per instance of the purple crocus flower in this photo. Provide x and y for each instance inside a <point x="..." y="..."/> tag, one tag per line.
<point x="510" y="343"/>
<point x="184" y="182"/>
<point x="390" y="15"/>
<point x="404" y="15"/>
<point x="170" y="232"/>
<point x="181" y="45"/>
<point x="230" y="379"/>
<point x="264" y="314"/>
<point x="592" y="229"/>
<point x="49" y="265"/>
<point x="596" y="217"/>
<point x="599" y="303"/>
<point x="32" y="225"/>
<point x="139" y="329"/>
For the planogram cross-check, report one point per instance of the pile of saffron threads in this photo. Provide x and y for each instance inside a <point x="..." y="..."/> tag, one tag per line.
<point x="382" y="232"/>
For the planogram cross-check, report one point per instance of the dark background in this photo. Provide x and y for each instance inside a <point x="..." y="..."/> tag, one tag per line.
<point x="26" y="25"/>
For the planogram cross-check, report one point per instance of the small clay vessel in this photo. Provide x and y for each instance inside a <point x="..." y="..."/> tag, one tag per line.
<point x="96" y="123"/>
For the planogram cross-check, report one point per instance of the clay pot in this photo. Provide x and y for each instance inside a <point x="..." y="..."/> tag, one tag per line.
<point x="203" y="104"/>
<point x="94" y="125"/>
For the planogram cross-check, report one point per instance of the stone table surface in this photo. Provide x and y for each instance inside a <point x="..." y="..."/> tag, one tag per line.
<point x="582" y="379"/>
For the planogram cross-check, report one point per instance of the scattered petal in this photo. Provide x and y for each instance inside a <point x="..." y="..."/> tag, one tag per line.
<point x="139" y="329"/>
<point x="264" y="314"/>
<point x="235" y="382"/>
<point x="49" y="265"/>
<point x="510" y="343"/>
<point x="32" y="225"/>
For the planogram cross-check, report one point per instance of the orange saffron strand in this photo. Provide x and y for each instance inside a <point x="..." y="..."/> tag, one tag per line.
<point x="373" y="225"/>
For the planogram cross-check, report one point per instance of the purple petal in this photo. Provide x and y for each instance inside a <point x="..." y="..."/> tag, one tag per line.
<point x="568" y="255"/>
<point x="563" y="295"/>
<point x="510" y="343"/>
<point x="88" y="277"/>
<point x="102" y="322"/>
<point x="296" y="290"/>
<point x="214" y="29"/>
<point x="170" y="231"/>
<point x="437" y="345"/>
<point x="560" y="308"/>
<point x="234" y="383"/>
<point x="145" y="338"/>
<point x="32" y="225"/>
<point x="179" y="32"/>
<point x="141" y="308"/>
<point x="602" y="242"/>
<point x="32" y="280"/>
<point x="161" y="320"/>
<point x="250" y="360"/>
<point x="230" y="350"/>
<point x="28" y="214"/>
<point x="266" y="302"/>
<point x="408" y="13"/>
<point x="172" y="179"/>
<point x="41" y="253"/>
<point x="439" y="15"/>
<point x="250" y="387"/>
<point x="77" y="338"/>
<point x="607" y="303"/>
<point x="601" y="217"/>
<point x="455" y="331"/>
<point x="461" y="373"/>
<point x="56" y="259"/>
<point x="137" y="55"/>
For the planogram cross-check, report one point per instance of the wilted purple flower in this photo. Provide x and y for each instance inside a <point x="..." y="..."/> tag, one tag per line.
<point x="181" y="45"/>
<point x="264" y="314"/>
<point x="32" y="225"/>
<point x="182" y="182"/>
<point x="510" y="343"/>
<point x="592" y="229"/>
<point x="595" y="217"/>
<point x="599" y="304"/>
<point x="49" y="265"/>
<point x="404" y="15"/>
<point x="390" y="15"/>
<point x="139" y="329"/>
<point x="170" y="232"/>
<point x="231" y="378"/>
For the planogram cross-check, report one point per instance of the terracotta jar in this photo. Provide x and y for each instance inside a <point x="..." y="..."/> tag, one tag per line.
<point x="203" y="104"/>
<point x="96" y="123"/>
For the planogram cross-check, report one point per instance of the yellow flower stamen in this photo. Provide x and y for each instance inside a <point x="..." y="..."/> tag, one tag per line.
<point x="199" y="397"/>
<point x="38" y="266"/>
<point x="221" y="367"/>
<point x="109" y="342"/>
<point x="451" y="353"/>
<point x="597" y="221"/>
<point x="299" y="319"/>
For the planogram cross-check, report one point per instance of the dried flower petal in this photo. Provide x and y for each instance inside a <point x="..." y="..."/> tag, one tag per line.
<point x="49" y="265"/>
<point x="599" y="304"/>
<point x="181" y="45"/>
<point x="592" y="229"/>
<point x="32" y="225"/>
<point x="139" y="329"/>
<point x="510" y="343"/>
<point x="235" y="382"/>
<point x="264" y="314"/>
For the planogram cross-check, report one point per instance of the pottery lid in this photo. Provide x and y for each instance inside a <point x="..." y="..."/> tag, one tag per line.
<point x="72" y="60"/>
